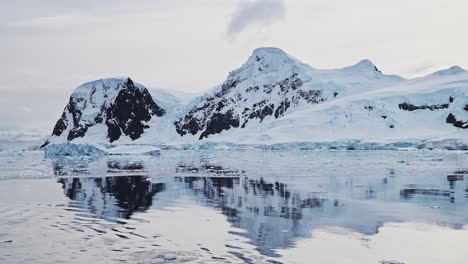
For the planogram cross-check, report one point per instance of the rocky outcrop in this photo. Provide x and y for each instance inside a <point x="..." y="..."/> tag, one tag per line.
<point x="451" y="119"/>
<point x="411" y="107"/>
<point x="130" y="110"/>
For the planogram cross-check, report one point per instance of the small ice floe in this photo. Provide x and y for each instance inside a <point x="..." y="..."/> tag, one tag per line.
<point x="134" y="150"/>
<point x="391" y="262"/>
<point x="169" y="257"/>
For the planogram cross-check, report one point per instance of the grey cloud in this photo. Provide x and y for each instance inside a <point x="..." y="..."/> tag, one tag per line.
<point x="256" y="12"/>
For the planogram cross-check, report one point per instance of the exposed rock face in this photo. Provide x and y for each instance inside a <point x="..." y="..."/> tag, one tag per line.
<point x="123" y="107"/>
<point x="410" y="107"/>
<point x="451" y="119"/>
<point x="220" y="122"/>
<point x="221" y="111"/>
<point x="131" y="108"/>
<point x="79" y="127"/>
<point x="61" y="125"/>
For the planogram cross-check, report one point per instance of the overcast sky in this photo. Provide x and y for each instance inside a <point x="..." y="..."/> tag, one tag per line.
<point x="49" y="47"/>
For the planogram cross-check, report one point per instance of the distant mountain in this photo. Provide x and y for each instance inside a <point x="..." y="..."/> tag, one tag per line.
<point x="276" y="99"/>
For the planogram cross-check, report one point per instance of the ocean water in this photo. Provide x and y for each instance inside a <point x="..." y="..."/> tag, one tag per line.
<point x="235" y="206"/>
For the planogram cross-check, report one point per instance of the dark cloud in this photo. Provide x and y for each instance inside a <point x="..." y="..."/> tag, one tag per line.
<point x="255" y="12"/>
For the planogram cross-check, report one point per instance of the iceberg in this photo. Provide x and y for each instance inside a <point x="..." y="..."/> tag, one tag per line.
<point x="70" y="149"/>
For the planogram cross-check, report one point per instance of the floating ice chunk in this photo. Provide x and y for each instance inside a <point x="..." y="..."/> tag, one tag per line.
<point x="169" y="257"/>
<point x="69" y="149"/>
<point x="134" y="150"/>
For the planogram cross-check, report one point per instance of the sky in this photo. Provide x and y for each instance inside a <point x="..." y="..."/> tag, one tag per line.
<point x="49" y="47"/>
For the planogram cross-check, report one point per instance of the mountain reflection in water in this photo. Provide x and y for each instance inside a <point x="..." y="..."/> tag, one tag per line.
<point x="269" y="213"/>
<point x="117" y="197"/>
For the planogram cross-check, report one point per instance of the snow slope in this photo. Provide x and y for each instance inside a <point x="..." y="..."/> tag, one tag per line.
<point x="382" y="115"/>
<point x="277" y="100"/>
<point x="272" y="84"/>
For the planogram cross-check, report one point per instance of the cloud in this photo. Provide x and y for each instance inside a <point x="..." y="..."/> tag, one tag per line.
<point x="255" y="12"/>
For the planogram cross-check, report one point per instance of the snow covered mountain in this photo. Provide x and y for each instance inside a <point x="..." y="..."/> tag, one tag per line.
<point x="276" y="99"/>
<point x="111" y="107"/>
<point x="426" y="112"/>
<point x="272" y="84"/>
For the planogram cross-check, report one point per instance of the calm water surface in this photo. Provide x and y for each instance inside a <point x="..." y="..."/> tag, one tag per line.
<point x="241" y="206"/>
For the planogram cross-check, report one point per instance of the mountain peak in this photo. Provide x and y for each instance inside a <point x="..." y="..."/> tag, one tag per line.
<point x="269" y="50"/>
<point x="365" y="65"/>
<point x="271" y="56"/>
<point x="450" y="71"/>
<point x="128" y="82"/>
<point x="264" y="61"/>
